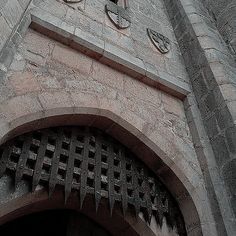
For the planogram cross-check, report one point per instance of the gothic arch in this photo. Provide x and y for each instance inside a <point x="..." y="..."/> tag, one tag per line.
<point x="90" y="162"/>
<point x="174" y="178"/>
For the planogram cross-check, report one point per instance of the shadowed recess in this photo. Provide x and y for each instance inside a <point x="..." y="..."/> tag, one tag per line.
<point x="53" y="222"/>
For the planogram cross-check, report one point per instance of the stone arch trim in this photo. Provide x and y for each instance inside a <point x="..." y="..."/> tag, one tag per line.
<point x="176" y="180"/>
<point x="128" y="133"/>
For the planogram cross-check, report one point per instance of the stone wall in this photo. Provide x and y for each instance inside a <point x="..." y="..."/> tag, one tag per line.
<point x="88" y="20"/>
<point x="212" y="73"/>
<point x="11" y="12"/>
<point x="47" y="78"/>
<point x="223" y="12"/>
<point x="89" y="16"/>
<point x="121" y="75"/>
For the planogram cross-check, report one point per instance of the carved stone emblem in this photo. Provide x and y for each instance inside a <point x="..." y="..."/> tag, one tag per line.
<point x="118" y="15"/>
<point x="161" y="42"/>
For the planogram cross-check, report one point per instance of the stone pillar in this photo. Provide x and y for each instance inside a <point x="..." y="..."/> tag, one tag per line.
<point x="212" y="73"/>
<point x="223" y="13"/>
<point x="11" y="17"/>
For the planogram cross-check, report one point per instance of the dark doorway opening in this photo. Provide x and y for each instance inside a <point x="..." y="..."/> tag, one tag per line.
<point x="53" y="222"/>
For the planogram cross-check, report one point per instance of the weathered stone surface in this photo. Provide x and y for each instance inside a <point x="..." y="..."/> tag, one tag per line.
<point x="24" y="3"/>
<point x="208" y="62"/>
<point x="24" y="83"/>
<point x="12" y="11"/>
<point x="42" y="78"/>
<point x="223" y="13"/>
<point x="72" y="59"/>
<point x="5" y="31"/>
<point x="119" y="42"/>
<point x="69" y="82"/>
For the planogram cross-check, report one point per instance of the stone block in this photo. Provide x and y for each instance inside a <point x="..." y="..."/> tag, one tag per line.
<point x="49" y="82"/>
<point x="134" y="90"/>
<point x="88" y="43"/>
<point x="24" y="3"/>
<point x="12" y="12"/>
<point x="117" y="38"/>
<point x="95" y="9"/>
<point x="231" y="106"/>
<point x="229" y="174"/>
<point x="7" y="54"/>
<point x="45" y="19"/>
<point x="56" y="8"/>
<point x="220" y="150"/>
<point x="228" y="91"/>
<point x="173" y="106"/>
<point x="18" y="63"/>
<point x="209" y="77"/>
<point x="211" y="125"/>
<point x="56" y="103"/>
<point x="2" y="4"/>
<point x="23" y="83"/>
<point x="24" y="24"/>
<point x="93" y="27"/>
<point x="38" y="44"/>
<point x="166" y="81"/>
<point x="20" y="106"/>
<point x="224" y="118"/>
<point x="6" y="90"/>
<point x="5" y="31"/>
<point x="85" y="100"/>
<point x="199" y="86"/>
<point x="210" y="102"/>
<point x="16" y="39"/>
<point x="72" y="58"/>
<point x="231" y="139"/>
<point x="108" y="76"/>
<point x="129" y="63"/>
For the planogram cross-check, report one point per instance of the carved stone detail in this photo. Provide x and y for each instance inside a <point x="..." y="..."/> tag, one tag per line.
<point x="161" y="42"/>
<point x="118" y="15"/>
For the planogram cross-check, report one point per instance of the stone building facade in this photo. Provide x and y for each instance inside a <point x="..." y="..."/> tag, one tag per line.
<point x="158" y="77"/>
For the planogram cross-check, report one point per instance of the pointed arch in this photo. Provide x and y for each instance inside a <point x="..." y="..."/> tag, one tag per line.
<point x="128" y="134"/>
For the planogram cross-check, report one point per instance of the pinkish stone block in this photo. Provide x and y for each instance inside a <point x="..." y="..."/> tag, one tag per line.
<point x="72" y="58"/>
<point x="108" y="76"/>
<point x="24" y="83"/>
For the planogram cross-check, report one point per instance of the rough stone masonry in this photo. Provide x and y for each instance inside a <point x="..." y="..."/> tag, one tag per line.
<point x="66" y="63"/>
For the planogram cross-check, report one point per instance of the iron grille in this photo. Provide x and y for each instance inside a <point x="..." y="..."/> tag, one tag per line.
<point x="90" y="162"/>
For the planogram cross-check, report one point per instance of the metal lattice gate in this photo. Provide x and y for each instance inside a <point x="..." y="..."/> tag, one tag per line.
<point x="90" y="162"/>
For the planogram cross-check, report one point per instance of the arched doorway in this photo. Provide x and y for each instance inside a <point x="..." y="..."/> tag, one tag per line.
<point x="54" y="222"/>
<point x="89" y="162"/>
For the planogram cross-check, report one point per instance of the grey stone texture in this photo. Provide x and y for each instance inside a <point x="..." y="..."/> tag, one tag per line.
<point x="199" y="74"/>
<point x="50" y="79"/>
<point x="205" y="56"/>
<point x="223" y="14"/>
<point x="12" y="27"/>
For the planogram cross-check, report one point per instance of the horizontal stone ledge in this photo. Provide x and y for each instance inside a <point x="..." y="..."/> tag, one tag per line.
<point x="107" y="53"/>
